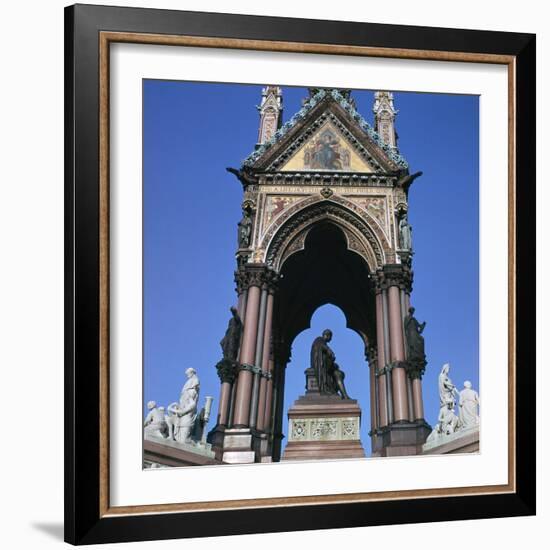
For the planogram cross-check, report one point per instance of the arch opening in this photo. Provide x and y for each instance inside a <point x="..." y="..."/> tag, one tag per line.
<point x="324" y="272"/>
<point x="348" y="346"/>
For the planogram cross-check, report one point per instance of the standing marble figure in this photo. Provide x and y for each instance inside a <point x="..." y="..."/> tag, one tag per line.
<point x="187" y="414"/>
<point x="468" y="406"/>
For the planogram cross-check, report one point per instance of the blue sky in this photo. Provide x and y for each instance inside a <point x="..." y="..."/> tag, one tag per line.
<point x="192" y="132"/>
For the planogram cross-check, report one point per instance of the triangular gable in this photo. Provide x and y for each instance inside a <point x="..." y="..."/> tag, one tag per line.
<point x="327" y="150"/>
<point x="266" y="153"/>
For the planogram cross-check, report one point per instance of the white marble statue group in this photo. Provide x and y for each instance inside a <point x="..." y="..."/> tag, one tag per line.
<point x="180" y="421"/>
<point x="448" y="421"/>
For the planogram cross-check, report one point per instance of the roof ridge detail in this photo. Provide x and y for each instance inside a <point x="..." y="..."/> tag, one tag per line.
<point x="309" y="104"/>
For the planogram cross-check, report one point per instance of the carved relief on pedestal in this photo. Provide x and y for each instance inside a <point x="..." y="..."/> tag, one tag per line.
<point x="350" y="428"/>
<point x="299" y="430"/>
<point x="324" y="429"/>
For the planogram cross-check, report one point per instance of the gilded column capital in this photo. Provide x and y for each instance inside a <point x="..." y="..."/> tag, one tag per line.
<point x="227" y="370"/>
<point x="393" y="275"/>
<point x="259" y="275"/>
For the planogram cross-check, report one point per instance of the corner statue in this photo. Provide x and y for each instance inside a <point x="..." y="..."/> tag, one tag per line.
<point x="232" y="339"/>
<point x="415" y="340"/>
<point x="330" y="378"/>
<point x="186" y="413"/>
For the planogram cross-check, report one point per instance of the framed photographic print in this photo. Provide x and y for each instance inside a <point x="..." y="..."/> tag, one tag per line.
<point x="299" y="274"/>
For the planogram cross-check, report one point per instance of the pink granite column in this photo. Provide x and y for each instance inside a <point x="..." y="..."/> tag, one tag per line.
<point x="260" y="423"/>
<point x="248" y="348"/>
<point x="382" y="402"/>
<point x="416" y="383"/>
<point x="373" y="400"/>
<point x="241" y="305"/>
<point x="397" y="353"/>
<point x="417" y="399"/>
<point x="223" y="408"/>
<point x="404" y="309"/>
<point x="268" y="396"/>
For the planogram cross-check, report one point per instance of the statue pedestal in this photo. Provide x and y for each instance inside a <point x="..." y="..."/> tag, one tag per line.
<point x="465" y="440"/>
<point x="323" y="427"/>
<point x="161" y="452"/>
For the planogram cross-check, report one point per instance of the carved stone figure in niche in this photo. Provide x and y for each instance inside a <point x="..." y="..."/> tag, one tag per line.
<point x="405" y="233"/>
<point x="232" y="339"/>
<point x="415" y="340"/>
<point x="187" y="413"/>
<point x="468" y="406"/>
<point x="245" y="228"/>
<point x="242" y="259"/>
<point x="330" y="378"/>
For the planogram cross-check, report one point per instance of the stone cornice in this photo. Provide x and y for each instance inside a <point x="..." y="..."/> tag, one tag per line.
<point x="332" y="179"/>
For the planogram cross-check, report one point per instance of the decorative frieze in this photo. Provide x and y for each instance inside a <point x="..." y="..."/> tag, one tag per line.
<point x="376" y="207"/>
<point x="332" y="179"/>
<point x="324" y="429"/>
<point x="276" y="204"/>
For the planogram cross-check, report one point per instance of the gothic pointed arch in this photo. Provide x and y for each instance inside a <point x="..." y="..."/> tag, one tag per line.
<point x="363" y="234"/>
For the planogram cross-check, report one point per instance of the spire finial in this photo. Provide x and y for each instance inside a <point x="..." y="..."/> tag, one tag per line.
<point x="271" y="113"/>
<point x="384" y="117"/>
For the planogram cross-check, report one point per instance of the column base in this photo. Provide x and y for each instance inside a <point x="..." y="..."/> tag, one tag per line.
<point x="239" y="445"/>
<point x="401" y="438"/>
